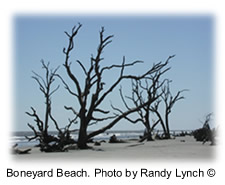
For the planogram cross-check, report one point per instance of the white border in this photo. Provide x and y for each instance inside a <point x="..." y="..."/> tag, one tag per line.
<point x="10" y="8"/>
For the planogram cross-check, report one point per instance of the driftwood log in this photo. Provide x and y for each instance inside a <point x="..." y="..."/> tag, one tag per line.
<point x="15" y="150"/>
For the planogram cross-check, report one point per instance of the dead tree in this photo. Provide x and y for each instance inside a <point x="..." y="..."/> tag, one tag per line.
<point x="205" y="133"/>
<point x="155" y="109"/>
<point x="91" y="95"/>
<point x="145" y="90"/>
<point x="41" y="132"/>
<point x="169" y="101"/>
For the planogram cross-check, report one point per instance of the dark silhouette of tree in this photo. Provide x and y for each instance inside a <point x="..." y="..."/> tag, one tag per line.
<point x="146" y="90"/>
<point x="169" y="101"/>
<point x="91" y="95"/>
<point x="205" y="133"/>
<point x="41" y="132"/>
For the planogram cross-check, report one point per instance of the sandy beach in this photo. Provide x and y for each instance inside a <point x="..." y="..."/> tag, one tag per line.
<point x="173" y="149"/>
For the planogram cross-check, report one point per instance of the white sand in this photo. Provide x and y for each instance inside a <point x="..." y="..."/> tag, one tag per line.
<point x="175" y="149"/>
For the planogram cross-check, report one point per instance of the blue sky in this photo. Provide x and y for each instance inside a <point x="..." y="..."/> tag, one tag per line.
<point x="147" y="38"/>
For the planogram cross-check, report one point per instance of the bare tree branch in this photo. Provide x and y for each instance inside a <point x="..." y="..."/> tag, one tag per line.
<point x="120" y="66"/>
<point x="66" y="64"/>
<point x="101" y="111"/>
<point x="66" y="86"/>
<point x="54" y="90"/>
<point x="72" y="109"/>
<point x="82" y="66"/>
<point x="38" y="121"/>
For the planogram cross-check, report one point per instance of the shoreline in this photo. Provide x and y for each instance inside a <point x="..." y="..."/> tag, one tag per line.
<point x="179" y="148"/>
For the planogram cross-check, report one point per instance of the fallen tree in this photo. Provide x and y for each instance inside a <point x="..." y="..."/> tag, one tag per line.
<point x="205" y="133"/>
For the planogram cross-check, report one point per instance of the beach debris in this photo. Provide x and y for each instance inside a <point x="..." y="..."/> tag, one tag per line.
<point x="205" y="133"/>
<point x="71" y="147"/>
<point x="96" y="143"/>
<point x="158" y="136"/>
<point x="148" y="134"/>
<point x="133" y="145"/>
<point x="15" y="150"/>
<point x="113" y="139"/>
<point x="97" y="149"/>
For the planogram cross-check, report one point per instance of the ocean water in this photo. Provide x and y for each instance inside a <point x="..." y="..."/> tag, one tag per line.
<point x="20" y="137"/>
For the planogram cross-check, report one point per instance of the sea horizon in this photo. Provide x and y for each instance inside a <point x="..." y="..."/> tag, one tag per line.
<point x="19" y="137"/>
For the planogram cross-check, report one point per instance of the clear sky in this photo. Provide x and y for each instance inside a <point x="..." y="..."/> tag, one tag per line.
<point x="147" y="38"/>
